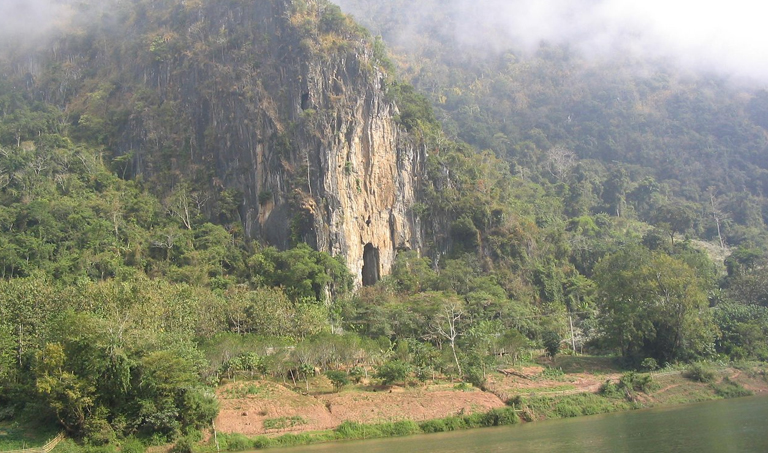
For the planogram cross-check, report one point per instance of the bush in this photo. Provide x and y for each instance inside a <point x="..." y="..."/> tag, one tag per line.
<point x="433" y="426"/>
<point x="238" y="442"/>
<point x="551" y="342"/>
<point x="637" y="382"/>
<point x="611" y="390"/>
<point x="338" y="378"/>
<point x="262" y="442"/>
<point x="566" y="409"/>
<point x="649" y="364"/>
<point x="500" y="417"/>
<point x="699" y="372"/>
<point x="454" y="423"/>
<point x="392" y="371"/>
<point x="183" y="445"/>
<point x="132" y="445"/>
<point x="68" y="446"/>
<point x="349" y="430"/>
<point x="552" y="373"/>
<point x="400" y="428"/>
<point x="357" y="374"/>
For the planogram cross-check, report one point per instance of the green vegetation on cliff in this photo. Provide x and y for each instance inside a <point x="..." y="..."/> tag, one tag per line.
<point x="563" y="206"/>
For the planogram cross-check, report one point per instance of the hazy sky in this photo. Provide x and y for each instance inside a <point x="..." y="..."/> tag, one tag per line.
<point x="729" y="37"/>
<point x="28" y="18"/>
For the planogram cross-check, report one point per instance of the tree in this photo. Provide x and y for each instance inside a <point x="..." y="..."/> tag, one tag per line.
<point x="393" y="371"/>
<point x="560" y="162"/>
<point x="551" y="341"/>
<point x="302" y="273"/>
<point x="675" y="217"/>
<point x="338" y="378"/>
<point x="446" y="324"/>
<point x="652" y="305"/>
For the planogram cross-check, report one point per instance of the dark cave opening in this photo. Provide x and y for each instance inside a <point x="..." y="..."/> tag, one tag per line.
<point x="371" y="273"/>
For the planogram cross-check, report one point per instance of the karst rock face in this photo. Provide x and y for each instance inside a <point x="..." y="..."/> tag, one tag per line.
<point x="281" y="102"/>
<point x="323" y="160"/>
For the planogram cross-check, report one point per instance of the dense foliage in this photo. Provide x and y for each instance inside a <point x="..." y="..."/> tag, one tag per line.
<point x="566" y="206"/>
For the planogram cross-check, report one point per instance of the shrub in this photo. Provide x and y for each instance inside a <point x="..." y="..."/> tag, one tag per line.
<point x="183" y="445"/>
<point x="400" y="428"/>
<point x="649" y="364"/>
<point x="611" y="390"/>
<point x="552" y="373"/>
<point x="699" y="373"/>
<point x="454" y="423"/>
<point x="637" y="382"/>
<point x="132" y="445"/>
<point x="566" y="409"/>
<point x="433" y="426"/>
<point x="500" y="417"/>
<point x="338" y="378"/>
<point x="262" y="442"/>
<point x="357" y="374"/>
<point x="68" y="446"/>
<point x="349" y="430"/>
<point x="392" y="371"/>
<point x="551" y="342"/>
<point x="238" y="442"/>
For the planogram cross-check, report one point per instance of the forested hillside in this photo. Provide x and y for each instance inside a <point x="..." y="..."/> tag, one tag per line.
<point x="627" y="135"/>
<point x="546" y="203"/>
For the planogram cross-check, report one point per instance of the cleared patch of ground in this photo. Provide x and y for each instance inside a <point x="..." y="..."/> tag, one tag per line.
<point x="261" y="407"/>
<point x="270" y="408"/>
<point x="417" y="404"/>
<point x="538" y="380"/>
<point x="246" y="408"/>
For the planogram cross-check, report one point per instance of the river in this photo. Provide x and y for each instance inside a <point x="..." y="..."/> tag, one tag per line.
<point x="726" y="426"/>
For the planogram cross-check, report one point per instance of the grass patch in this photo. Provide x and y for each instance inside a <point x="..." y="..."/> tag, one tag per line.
<point x="588" y="364"/>
<point x="730" y="389"/>
<point x="284" y="422"/>
<point x="566" y="406"/>
<point x="242" y="390"/>
<point x="16" y="436"/>
<point x="552" y="374"/>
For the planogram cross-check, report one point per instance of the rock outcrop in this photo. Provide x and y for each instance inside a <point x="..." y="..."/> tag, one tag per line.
<point x="280" y="102"/>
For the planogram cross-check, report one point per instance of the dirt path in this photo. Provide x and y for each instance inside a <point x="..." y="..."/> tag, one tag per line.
<point x="530" y="381"/>
<point x="669" y="387"/>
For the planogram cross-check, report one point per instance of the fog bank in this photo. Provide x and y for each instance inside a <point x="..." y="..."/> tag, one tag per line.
<point x="728" y="38"/>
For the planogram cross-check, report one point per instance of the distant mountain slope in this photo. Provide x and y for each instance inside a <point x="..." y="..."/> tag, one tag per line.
<point x="656" y="134"/>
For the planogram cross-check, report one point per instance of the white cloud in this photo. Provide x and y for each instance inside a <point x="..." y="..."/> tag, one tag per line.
<point x="726" y="37"/>
<point x="25" y="19"/>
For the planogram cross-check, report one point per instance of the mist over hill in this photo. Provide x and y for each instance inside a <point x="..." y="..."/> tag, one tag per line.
<point x="723" y="38"/>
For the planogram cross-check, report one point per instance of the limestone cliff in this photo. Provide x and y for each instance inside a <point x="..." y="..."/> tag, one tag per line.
<point x="280" y="102"/>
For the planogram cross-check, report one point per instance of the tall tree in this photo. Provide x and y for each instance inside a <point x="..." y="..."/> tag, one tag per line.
<point x="652" y="305"/>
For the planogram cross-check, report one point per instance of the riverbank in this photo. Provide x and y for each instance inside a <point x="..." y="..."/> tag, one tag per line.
<point x="259" y="414"/>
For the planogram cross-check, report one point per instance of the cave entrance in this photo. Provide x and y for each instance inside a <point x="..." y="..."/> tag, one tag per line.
<point x="371" y="273"/>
